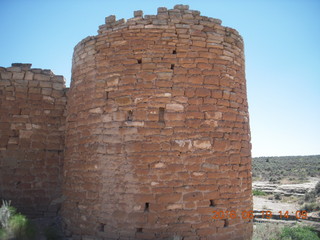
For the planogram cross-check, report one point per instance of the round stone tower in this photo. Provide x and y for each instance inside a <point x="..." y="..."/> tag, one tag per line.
<point x="158" y="139"/>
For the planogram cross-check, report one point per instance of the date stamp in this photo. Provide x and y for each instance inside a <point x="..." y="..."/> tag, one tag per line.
<point x="261" y="214"/>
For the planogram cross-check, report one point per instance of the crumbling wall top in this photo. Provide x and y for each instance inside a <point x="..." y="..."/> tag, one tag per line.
<point x="179" y="14"/>
<point x="17" y="70"/>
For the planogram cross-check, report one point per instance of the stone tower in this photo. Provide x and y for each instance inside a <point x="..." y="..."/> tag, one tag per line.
<point x="158" y="139"/>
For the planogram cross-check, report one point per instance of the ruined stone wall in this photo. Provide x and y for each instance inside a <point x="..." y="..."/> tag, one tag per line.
<point x="157" y="131"/>
<point x="32" y="125"/>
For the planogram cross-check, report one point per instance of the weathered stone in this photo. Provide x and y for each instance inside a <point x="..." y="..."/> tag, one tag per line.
<point x="181" y="7"/>
<point x="156" y="131"/>
<point x="6" y="75"/>
<point x="110" y="19"/>
<point x="35" y="148"/>
<point x="138" y="13"/>
<point x="175" y="107"/>
<point x="203" y="144"/>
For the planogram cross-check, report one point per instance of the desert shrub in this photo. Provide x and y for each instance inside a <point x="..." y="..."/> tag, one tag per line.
<point x="317" y="189"/>
<point x="14" y="225"/>
<point x="277" y="196"/>
<point x="310" y="207"/>
<point x="310" y="196"/>
<point x="298" y="233"/>
<point x="293" y="167"/>
<point x="3" y="234"/>
<point x="6" y="212"/>
<point x="21" y="227"/>
<point x="256" y="192"/>
<point x="263" y="231"/>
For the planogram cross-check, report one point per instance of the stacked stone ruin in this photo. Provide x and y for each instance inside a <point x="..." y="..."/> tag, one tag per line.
<point x="32" y="128"/>
<point x="156" y="131"/>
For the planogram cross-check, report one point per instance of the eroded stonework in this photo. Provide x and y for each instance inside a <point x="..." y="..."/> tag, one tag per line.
<point x="32" y="128"/>
<point x="153" y="138"/>
<point x="157" y="133"/>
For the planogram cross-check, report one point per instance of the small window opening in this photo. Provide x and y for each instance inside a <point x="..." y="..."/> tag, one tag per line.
<point x="226" y="223"/>
<point x="174" y="52"/>
<point x="212" y="203"/>
<point x="161" y="114"/>
<point x="146" y="207"/>
<point x="172" y="66"/>
<point x="139" y="230"/>
<point x="130" y="115"/>
<point x="107" y="95"/>
<point x="139" y="61"/>
<point x="101" y="227"/>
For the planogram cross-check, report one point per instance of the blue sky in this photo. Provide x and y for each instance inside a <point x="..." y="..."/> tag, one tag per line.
<point x="282" y="48"/>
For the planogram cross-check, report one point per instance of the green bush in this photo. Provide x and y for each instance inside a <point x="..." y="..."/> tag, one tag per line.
<point x="310" y="196"/>
<point x="310" y="207"/>
<point x="14" y="225"/>
<point x="298" y="233"/>
<point x="277" y="196"/>
<point x="317" y="189"/>
<point x="6" y="212"/>
<point x="266" y="231"/>
<point x="294" y="168"/>
<point x="3" y="234"/>
<point x="256" y="192"/>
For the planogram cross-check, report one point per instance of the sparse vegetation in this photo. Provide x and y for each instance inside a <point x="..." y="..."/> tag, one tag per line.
<point x="298" y="233"/>
<point x="271" y="231"/>
<point x="258" y="193"/>
<point x="266" y="231"/>
<point x="317" y="189"/>
<point x="277" y="196"/>
<point x="14" y="225"/>
<point x="310" y="207"/>
<point x="310" y="196"/>
<point x="293" y="169"/>
<point x="310" y="202"/>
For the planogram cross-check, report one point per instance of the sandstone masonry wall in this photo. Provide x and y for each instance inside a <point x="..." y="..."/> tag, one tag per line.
<point x="32" y="125"/>
<point x="157" y="133"/>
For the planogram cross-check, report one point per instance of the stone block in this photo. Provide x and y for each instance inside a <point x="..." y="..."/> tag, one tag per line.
<point x="6" y="75"/>
<point x="122" y="101"/>
<point x="138" y="13"/>
<point x="202" y="144"/>
<point x="174" y="107"/>
<point x="181" y="7"/>
<point x="41" y="77"/>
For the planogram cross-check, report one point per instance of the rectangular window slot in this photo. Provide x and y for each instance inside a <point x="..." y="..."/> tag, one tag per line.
<point x="174" y="52"/>
<point x="130" y="115"/>
<point x="139" y="61"/>
<point x="161" y="114"/>
<point x="146" y="207"/>
<point x="212" y="203"/>
<point x="226" y="223"/>
<point x="172" y="66"/>
<point x="139" y="230"/>
<point x="107" y="95"/>
<point x="101" y="227"/>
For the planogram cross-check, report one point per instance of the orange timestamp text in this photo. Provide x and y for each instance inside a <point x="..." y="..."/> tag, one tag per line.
<point x="261" y="214"/>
